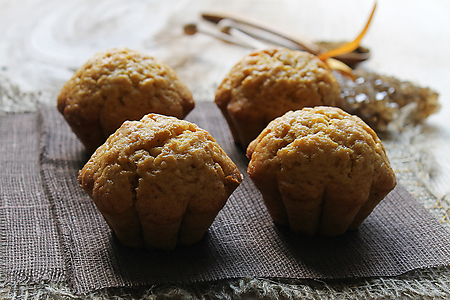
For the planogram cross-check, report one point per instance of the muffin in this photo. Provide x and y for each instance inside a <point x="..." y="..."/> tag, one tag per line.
<point x="159" y="182"/>
<point x="321" y="171"/>
<point x="268" y="83"/>
<point x="117" y="85"/>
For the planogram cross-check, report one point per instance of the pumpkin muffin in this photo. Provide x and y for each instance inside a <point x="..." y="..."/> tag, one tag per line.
<point x="116" y="85"/>
<point x="266" y="84"/>
<point x="159" y="182"/>
<point x="320" y="170"/>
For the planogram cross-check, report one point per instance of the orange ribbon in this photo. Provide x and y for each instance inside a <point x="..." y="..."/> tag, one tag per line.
<point x="346" y="48"/>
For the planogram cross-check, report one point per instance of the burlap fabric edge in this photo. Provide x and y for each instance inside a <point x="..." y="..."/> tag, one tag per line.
<point x="432" y="283"/>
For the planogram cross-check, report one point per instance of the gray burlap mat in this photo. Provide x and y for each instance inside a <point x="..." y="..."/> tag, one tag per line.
<point x="52" y="231"/>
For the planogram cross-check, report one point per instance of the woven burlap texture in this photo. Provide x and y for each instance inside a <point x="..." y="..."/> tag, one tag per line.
<point x="420" y="282"/>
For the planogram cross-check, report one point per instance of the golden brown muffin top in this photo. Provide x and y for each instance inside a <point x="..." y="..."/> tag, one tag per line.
<point x="315" y="147"/>
<point x="121" y="84"/>
<point x="271" y="82"/>
<point x="162" y="166"/>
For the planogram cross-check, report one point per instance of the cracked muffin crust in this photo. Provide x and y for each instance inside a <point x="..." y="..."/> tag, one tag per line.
<point x="267" y="83"/>
<point x="320" y="170"/>
<point x="116" y="85"/>
<point x="159" y="182"/>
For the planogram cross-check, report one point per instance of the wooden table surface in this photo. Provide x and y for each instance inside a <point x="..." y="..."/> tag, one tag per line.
<point x="43" y="42"/>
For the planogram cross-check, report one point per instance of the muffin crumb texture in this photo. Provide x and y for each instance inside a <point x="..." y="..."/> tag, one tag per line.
<point x="321" y="171"/>
<point x="117" y="85"/>
<point x="159" y="182"/>
<point x="268" y="83"/>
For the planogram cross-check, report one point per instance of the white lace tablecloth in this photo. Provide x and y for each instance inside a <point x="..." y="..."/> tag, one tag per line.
<point x="43" y="42"/>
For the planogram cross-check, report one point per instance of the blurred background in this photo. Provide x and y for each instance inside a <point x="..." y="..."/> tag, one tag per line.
<point x="42" y="42"/>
